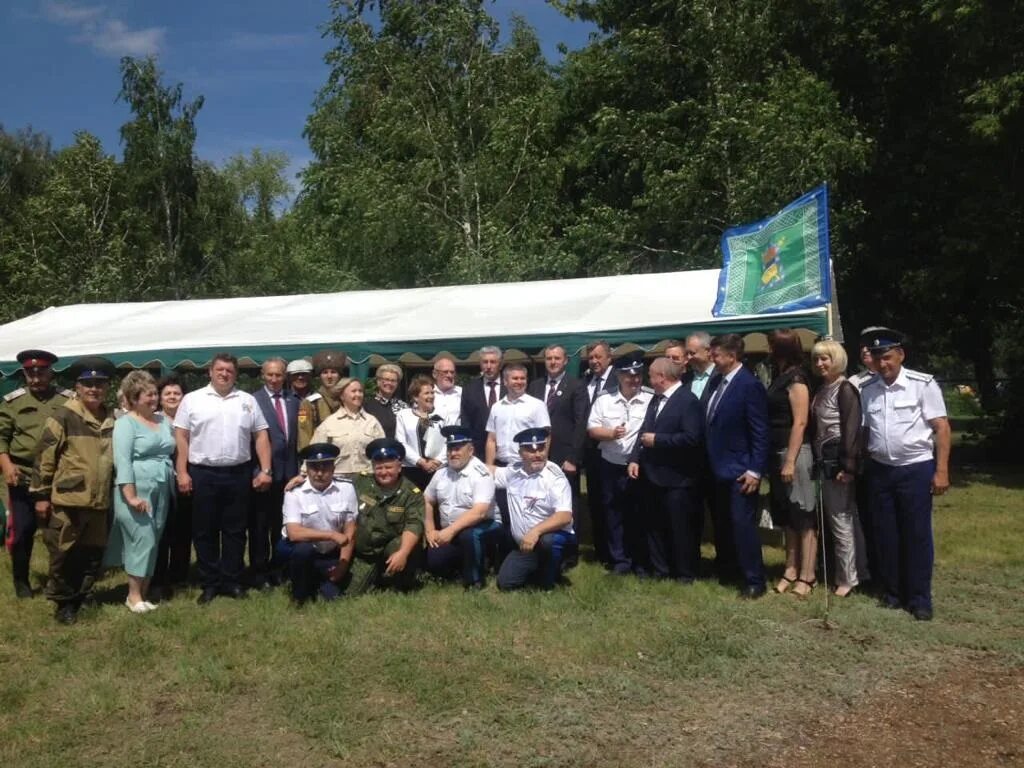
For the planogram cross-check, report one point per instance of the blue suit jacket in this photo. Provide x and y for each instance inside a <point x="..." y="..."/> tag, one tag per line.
<point x="737" y="435"/>
<point x="675" y="460"/>
<point x="284" y="462"/>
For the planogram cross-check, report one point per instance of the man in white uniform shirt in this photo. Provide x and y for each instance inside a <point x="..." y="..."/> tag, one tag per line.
<point x="214" y="429"/>
<point x="318" y="535"/>
<point x="600" y="380"/>
<point x="512" y="414"/>
<point x="906" y="433"/>
<point x="615" y="422"/>
<point x="447" y="394"/>
<point x="461" y="523"/>
<point x="540" y="511"/>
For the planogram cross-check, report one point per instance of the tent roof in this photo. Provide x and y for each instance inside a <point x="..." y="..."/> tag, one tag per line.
<point x="639" y="308"/>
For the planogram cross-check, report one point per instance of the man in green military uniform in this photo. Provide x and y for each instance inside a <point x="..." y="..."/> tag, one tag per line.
<point x="390" y="524"/>
<point x="314" y="408"/>
<point x="23" y="413"/>
<point x="71" y="485"/>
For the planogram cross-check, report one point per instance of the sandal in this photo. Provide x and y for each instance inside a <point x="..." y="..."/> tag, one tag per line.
<point x="783" y="586"/>
<point x="810" y="587"/>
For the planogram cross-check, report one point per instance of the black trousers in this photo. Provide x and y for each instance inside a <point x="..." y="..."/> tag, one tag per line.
<point x="598" y="528"/>
<point x="174" y="555"/>
<point x="220" y="502"/>
<point x="21" y="531"/>
<point x="627" y="549"/>
<point x="265" y="526"/>
<point x="673" y="522"/>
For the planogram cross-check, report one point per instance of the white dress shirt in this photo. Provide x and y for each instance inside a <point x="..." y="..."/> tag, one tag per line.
<point x="448" y="404"/>
<point x="327" y="510"/>
<point x="220" y="428"/>
<point x="615" y="410"/>
<point x="510" y="417"/>
<point x="532" y="499"/>
<point x="896" y="417"/>
<point x="455" y="492"/>
<point x="665" y="396"/>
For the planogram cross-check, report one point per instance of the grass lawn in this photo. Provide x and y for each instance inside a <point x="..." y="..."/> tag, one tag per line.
<point x="607" y="672"/>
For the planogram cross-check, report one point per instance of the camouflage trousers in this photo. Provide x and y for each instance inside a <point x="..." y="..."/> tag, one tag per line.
<point x="366" y="574"/>
<point x="75" y="538"/>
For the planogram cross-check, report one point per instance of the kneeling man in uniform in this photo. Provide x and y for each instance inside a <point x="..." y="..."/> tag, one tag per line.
<point x="540" y="513"/>
<point x="318" y="536"/>
<point x="461" y="494"/>
<point x="390" y="523"/>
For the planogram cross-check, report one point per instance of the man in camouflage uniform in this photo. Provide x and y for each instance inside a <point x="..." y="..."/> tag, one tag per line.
<point x="314" y="408"/>
<point x="71" y="485"/>
<point x="390" y="524"/>
<point x="22" y="415"/>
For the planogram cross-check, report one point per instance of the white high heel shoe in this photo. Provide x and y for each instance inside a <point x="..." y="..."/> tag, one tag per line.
<point x="140" y="607"/>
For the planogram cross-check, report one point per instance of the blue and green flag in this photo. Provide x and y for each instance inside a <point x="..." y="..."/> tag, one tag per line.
<point x="778" y="264"/>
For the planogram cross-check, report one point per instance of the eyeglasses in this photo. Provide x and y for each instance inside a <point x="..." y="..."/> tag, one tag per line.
<point x="443" y="372"/>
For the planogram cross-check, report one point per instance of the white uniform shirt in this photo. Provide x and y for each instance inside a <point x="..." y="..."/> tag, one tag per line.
<point x="896" y="417"/>
<point x="613" y="410"/>
<point x="220" y="428"/>
<point x="532" y="499"/>
<point x="454" y="492"/>
<point x="448" y="404"/>
<point x="327" y="510"/>
<point x="510" y="417"/>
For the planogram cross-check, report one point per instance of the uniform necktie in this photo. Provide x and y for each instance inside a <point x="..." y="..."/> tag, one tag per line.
<point x="552" y="389"/>
<point x="492" y="395"/>
<point x="279" y="408"/>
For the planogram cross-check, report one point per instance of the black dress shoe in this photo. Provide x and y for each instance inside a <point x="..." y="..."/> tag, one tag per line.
<point x="66" y="613"/>
<point x="752" y="592"/>
<point x="207" y="595"/>
<point x="23" y="590"/>
<point x="922" y="614"/>
<point x="235" y="592"/>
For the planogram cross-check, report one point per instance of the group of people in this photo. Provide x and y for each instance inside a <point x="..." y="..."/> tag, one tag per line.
<point x="338" y="492"/>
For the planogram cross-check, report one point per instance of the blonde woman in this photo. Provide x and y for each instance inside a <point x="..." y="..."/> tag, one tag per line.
<point x="836" y="414"/>
<point x="143" y="444"/>
<point x="350" y="428"/>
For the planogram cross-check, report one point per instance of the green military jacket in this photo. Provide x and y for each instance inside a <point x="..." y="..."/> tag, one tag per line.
<point x="313" y="409"/>
<point x="74" y="466"/>
<point x="22" y="417"/>
<point x="385" y="515"/>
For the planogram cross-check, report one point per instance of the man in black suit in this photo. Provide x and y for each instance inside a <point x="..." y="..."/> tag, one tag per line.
<point x="281" y="409"/>
<point x="566" y="399"/>
<point x="600" y="379"/>
<point x="667" y="461"/>
<point x="479" y="395"/>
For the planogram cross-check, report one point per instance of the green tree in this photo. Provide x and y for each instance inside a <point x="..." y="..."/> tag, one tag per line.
<point x="259" y="182"/>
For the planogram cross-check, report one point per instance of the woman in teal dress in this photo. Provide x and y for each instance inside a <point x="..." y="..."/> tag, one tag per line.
<point x="143" y="443"/>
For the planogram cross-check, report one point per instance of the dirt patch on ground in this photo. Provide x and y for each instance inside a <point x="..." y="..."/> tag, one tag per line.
<point x="969" y="716"/>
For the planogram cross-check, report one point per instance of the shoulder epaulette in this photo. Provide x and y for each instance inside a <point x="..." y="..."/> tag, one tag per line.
<point x="554" y="469"/>
<point x="15" y="394"/>
<point x="918" y="376"/>
<point x="313" y="397"/>
<point x="647" y="389"/>
<point x="481" y="470"/>
<point x="68" y="393"/>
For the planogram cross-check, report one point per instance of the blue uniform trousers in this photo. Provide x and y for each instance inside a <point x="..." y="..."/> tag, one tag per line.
<point x="307" y="567"/>
<point x="466" y="553"/>
<point x="673" y="522"/>
<point x="624" y="531"/>
<point x="541" y="566"/>
<point x="21" y="530"/>
<point x="220" y="501"/>
<point x="900" y="499"/>
<point x="737" y="545"/>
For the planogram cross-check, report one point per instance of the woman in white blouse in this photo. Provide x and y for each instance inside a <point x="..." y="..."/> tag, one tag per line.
<point x="418" y="428"/>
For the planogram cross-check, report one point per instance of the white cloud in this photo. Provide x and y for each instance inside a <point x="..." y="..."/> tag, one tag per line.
<point x="105" y="34"/>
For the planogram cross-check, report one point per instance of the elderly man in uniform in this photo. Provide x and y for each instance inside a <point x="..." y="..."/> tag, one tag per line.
<point x="215" y="428"/>
<point x="315" y="407"/>
<point x="461" y="496"/>
<point x="906" y="432"/>
<point x="23" y="413"/>
<point x="318" y="536"/>
<point x="299" y="374"/>
<point x="390" y="524"/>
<point x="72" y="481"/>
<point x="385" y="403"/>
<point x="600" y="380"/>
<point x="540" y="508"/>
<point x="615" y="422"/>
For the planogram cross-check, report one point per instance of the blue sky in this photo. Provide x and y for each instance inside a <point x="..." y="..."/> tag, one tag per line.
<point x="259" y="64"/>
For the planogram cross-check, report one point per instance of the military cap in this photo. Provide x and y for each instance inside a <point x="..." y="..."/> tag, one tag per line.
<point x="36" y="358"/>
<point x="456" y="434"/>
<point x="330" y="358"/>
<point x="533" y="437"/>
<point x="91" y="367"/>
<point x="880" y="340"/>
<point x="631" y="362"/>
<point x="302" y="365"/>
<point x="384" y="449"/>
<point x="318" y="453"/>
